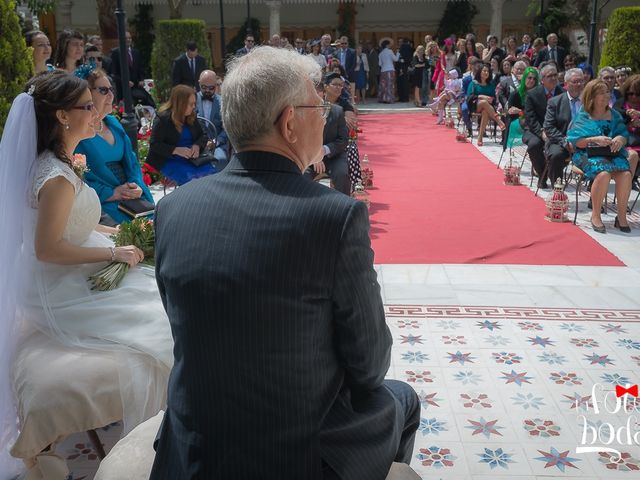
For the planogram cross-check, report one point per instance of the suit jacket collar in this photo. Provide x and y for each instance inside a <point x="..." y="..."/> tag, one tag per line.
<point x="262" y="161"/>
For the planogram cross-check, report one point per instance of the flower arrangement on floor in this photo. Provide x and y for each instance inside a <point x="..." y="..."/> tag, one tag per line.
<point x="511" y="173"/>
<point x="138" y="232"/>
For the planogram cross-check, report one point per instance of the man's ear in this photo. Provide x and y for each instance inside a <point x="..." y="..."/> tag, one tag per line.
<point x="286" y="125"/>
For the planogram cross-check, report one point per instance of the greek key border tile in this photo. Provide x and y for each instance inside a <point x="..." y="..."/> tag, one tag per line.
<point x="516" y="313"/>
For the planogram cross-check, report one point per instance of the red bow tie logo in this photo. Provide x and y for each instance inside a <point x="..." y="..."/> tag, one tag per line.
<point x="632" y="390"/>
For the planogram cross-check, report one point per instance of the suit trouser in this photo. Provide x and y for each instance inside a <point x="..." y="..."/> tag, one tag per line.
<point x="558" y="157"/>
<point x="535" y="148"/>
<point x="410" y="403"/>
<point x="338" y="170"/>
<point x="466" y="117"/>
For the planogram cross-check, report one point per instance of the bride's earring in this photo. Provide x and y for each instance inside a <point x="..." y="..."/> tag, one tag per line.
<point x="66" y="126"/>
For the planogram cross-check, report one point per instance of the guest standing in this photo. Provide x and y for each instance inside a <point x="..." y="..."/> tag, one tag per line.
<point x="41" y="50"/>
<point x="177" y="137"/>
<point x="418" y="65"/>
<point x="114" y="171"/>
<point x="69" y="51"/>
<point x="361" y="73"/>
<point x="317" y="56"/>
<point x="187" y="67"/>
<point x="598" y="124"/>
<point x="386" y="90"/>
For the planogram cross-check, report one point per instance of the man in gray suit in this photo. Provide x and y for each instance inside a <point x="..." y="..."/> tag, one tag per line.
<point x="561" y="110"/>
<point x="208" y="106"/>
<point x="281" y="345"/>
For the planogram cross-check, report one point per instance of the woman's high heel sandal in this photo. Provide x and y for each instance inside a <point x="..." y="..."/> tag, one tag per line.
<point x="500" y="123"/>
<point x="625" y="229"/>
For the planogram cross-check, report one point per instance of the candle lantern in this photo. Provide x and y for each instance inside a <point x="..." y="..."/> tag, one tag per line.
<point x="449" y="123"/>
<point x="511" y="173"/>
<point x="360" y="193"/>
<point x="557" y="204"/>
<point x="461" y="133"/>
<point x="367" y="172"/>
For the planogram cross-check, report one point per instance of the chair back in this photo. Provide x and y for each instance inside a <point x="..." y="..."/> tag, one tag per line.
<point x="208" y="128"/>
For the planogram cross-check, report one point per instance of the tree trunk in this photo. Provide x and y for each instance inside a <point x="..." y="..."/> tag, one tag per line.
<point x="175" y="9"/>
<point x="107" y="23"/>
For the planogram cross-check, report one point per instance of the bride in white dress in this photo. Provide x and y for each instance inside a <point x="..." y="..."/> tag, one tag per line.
<point x="52" y="243"/>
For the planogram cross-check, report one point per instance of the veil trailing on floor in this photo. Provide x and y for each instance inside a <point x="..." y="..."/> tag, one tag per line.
<point x="18" y="153"/>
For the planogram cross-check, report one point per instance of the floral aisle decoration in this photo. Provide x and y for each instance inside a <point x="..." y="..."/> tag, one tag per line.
<point x="138" y="232"/>
<point x="557" y="204"/>
<point x="511" y="172"/>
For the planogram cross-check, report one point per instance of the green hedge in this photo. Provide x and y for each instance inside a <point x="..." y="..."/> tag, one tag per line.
<point x="623" y="39"/>
<point x="16" y="64"/>
<point x="171" y="39"/>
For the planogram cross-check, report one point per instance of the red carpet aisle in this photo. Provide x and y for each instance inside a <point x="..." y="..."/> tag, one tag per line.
<point x="439" y="201"/>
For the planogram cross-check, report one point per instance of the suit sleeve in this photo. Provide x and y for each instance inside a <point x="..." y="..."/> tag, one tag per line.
<point x="362" y="338"/>
<point x="339" y="145"/>
<point x="550" y="128"/>
<point x="530" y="116"/>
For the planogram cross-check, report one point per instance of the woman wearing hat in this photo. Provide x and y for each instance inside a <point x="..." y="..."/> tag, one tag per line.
<point x="317" y="56"/>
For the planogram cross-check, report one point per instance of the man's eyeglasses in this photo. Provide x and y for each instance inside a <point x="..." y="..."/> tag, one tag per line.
<point x="207" y="88"/>
<point x="608" y="78"/>
<point x="87" y="107"/>
<point x="336" y="85"/>
<point x="325" y="106"/>
<point x="105" y="90"/>
<point x="551" y="75"/>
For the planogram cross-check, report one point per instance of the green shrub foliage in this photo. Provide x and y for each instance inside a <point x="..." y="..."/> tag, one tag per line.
<point x="623" y="39"/>
<point x="171" y="39"/>
<point x="16" y="64"/>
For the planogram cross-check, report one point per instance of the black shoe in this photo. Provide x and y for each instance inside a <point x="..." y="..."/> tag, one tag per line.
<point x="616" y="224"/>
<point x="543" y="184"/>
<point x="599" y="229"/>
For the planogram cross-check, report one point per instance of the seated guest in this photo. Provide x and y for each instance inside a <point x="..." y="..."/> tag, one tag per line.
<point x="511" y="50"/>
<point x="526" y="44"/>
<point x="569" y="62"/>
<point x="114" y="171"/>
<point x="334" y="140"/>
<point x="177" y="137"/>
<point x="344" y="100"/>
<point x="517" y="99"/>
<point x="535" y="109"/>
<point x="69" y="51"/>
<point x="608" y="76"/>
<point x="588" y="72"/>
<point x="208" y="106"/>
<point x="509" y="83"/>
<point x="628" y="106"/>
<point x="493" y="50"/>
<point x="481" y="97"/>
<point x="551" y="53"/>
<point x="41" y="46"/>
<point x="561" y="111"/>
<point x="96" y="41"/>
<point x="622" y="73"/>
<point x="187" y="67"/>
<point x="599" y="125"/>
<point x="474" y="65"/>
<point x="534" y="51"/>
<point x="262" y="265"/>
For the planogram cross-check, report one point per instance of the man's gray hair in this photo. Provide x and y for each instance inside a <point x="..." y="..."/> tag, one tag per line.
<point x="546" y="69"/>
<point x="259" y="86"/>
<point x="520" y="64"/>
<point x="573" y="72"/>
<point x="604" y="70"/>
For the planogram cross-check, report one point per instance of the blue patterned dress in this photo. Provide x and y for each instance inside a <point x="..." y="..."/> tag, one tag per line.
<point x="180" y="169"/>
<point x="583" y="126"/>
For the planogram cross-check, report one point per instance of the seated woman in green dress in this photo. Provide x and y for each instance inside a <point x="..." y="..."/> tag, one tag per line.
<point x="597" y="125"/>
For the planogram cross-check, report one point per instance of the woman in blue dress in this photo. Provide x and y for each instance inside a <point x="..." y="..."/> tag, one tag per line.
<point x="597" y="125"/>
<point x="114" y="171"/>
<point x="177" y="137"/>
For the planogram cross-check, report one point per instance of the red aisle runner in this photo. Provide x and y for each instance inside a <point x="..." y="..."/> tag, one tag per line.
<point x="439" y="201"/>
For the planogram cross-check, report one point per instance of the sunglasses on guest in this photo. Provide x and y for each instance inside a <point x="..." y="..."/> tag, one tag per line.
<point x="95" y="59"/>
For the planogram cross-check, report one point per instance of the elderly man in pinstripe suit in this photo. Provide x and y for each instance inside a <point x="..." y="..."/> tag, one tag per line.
<point x="281" y="345"/>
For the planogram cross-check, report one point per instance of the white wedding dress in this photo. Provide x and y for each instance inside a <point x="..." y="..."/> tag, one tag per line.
<point x="129" y="320"/>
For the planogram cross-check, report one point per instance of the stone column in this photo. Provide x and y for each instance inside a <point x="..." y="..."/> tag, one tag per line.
<point x="63" y="14"/>
<point x="274" y="17"/>
<point x="496" y="19"/>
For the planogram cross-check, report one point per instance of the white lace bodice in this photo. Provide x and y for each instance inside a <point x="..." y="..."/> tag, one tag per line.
<point x="86" y="210"/>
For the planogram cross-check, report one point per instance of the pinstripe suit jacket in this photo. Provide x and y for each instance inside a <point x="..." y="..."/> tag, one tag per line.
<point x="281" y="345"/>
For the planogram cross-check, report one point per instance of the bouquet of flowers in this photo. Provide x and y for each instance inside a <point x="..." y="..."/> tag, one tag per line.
<point x="138" y="232"/>
<point x="79" y="164"/>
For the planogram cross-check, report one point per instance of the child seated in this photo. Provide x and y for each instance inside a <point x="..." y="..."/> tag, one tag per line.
<point x="452" y="90"/>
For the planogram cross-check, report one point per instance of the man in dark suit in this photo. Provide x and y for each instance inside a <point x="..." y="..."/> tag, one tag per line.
<point x="208" y="106"/>
<point x="510" y="83"/>
<point x="334" y="138"/>
<point x="535" y="109"/>
<point x="281" y="345"/>
<point x="136" y="75"/>
<point x="187" y="67"/>
<point x="249" y="43"/>
<point x="347" y="57"/>
<point x="552" y="52"/>
<point x="560" y="111"/>
<point x="326" y="48"/>
<point x="526" y="44"/>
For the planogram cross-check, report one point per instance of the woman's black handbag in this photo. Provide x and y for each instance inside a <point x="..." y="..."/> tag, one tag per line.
<point x="204" y="157"/>
<point x="599" y="151"/>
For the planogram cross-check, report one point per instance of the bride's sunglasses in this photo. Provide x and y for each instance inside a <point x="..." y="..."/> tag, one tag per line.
<point x="105" y="90"/>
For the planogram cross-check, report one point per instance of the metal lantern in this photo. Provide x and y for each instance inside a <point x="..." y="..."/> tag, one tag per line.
<point x="367" y="172"/>
<point x="511" y="173"/>
<point x="461" y="133"/>
<point x="557" y="204"/>
<point x="449" y="123"/>
<point x="361" y="194"/>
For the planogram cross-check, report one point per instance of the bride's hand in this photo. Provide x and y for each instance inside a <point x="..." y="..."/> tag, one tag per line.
<point x="130" y="254"/>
